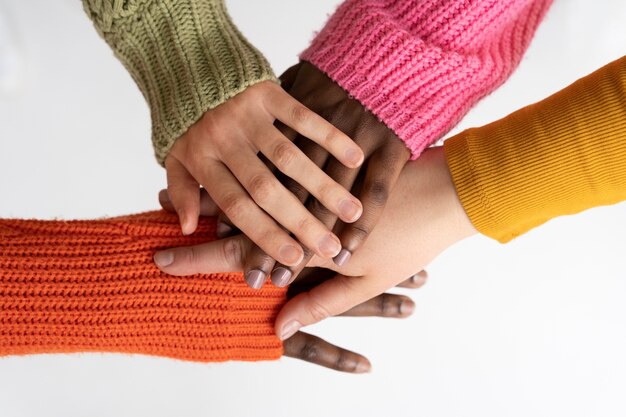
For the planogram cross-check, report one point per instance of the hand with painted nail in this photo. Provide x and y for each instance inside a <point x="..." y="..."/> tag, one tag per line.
<point x="220" y="153"/>
<point x="423" y="217"/>
<point x="385" y="156"/>
<point x="317" y="351"/>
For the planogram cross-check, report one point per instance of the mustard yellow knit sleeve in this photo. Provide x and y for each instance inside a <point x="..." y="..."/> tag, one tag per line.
<point x="560" y="156"/>
<point x="186" y="56"/>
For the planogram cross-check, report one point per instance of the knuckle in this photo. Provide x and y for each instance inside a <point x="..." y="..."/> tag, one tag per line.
<point x="359" y="231"/>
<point x="299" y="114"/>
<point x="310" y="351"/>
<point x="233" y="206"/>
<point x="304" y="225"/>
<point x="387" y="306"/>
<point x="344" y="363"/>
<point x="232" y="251"/>
<point x="261" y="188"/>
<point x="317" y="310"/>
<point x="377" y="191"/>
<point x="284" y="155"/>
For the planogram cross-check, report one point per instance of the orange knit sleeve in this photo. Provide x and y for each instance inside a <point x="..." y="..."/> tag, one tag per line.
<point x="81" y="286"/>
<point x="560" y="156"/>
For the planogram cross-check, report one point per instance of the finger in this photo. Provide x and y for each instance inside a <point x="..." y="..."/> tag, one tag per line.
<point x="288" y="77"/>
<point x="416" y="281"/>
<point x="309" y="124"/>
<point x="380" y="177"/>
<point x="224" y="226"/>
<point x="225" y="255"/>
<point x="281" y="205"/>
<point x="383" y="305"/>
<point x="207" y="206"/>
<point x="295" y="164"/>
<point x="317" y="351"/>
<point x="330" y="298"/>
<point x="237" y="205"/>
<point x="182" y="189"/>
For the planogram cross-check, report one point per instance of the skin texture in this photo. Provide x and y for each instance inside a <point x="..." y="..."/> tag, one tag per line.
<point x="385" y="156"/>
<point x="423" y="217"/>
<point x="310" y="348"/>
<point x="220" y="151"/>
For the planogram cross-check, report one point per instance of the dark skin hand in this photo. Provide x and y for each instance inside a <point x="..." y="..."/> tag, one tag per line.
<point x="385" y="156"/>
<point x="310" y="348"/>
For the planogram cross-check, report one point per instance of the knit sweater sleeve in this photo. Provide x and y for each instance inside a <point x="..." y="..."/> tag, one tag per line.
<point x="186" y="56"/>
<point x="91" y="286"/>
<point x="420" y="65"/>
<point x="560" y="156"/>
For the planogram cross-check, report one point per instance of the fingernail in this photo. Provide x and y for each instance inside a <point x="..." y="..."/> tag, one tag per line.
<point x="290" y="329"/>
<point x="290" y="254"/>
<point x="223" y="229"/>
<point x="363" y="367"/>
<point x="164" y="258"/>
<point x="407" y="307"/>
<point x="255" y="278"/>
<point x="281" y="276"/>
<point x="342" y="258"/>
<point x="349" y="210"/>
<point x="329" y="245"/>
<point x="354" y="157"/>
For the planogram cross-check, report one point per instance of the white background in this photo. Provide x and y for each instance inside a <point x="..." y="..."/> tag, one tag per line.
<point x="533" y="328"/>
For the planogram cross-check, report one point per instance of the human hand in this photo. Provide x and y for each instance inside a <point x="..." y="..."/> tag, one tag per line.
<point x="219" y="152"/>
<point x="385" y="156"/>
<point x="423" y="217"/>
<point x="313" y="349"/>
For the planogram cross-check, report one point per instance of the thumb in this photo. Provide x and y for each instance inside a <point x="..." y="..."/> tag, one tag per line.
<point x="225" y="255"/>
<point x="330" y="298"/>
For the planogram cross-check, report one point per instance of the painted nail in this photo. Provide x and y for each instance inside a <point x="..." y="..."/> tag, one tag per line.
<point x="281" y="276"/>
<point x="164" y="258"/>
<point x="349" y="210"/>
<point x="290" y="329"/>
<point x="255" y="278"/>
<point x="354" y="157"/>
<point x="223" y="229"/>
<point x="342" y="258"/>
<point x="290" y="254"/>
<point x="329" y="245"/>
<point x="363" y="367"/>
<point x="407" y="307"/>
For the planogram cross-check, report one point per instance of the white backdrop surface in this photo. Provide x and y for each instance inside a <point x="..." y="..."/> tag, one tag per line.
<point x="533" y="328"/>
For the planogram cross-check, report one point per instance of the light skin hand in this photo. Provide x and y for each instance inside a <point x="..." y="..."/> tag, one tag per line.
<point x="385" y="156"/>
<point x="220" y="151"/>
<point x="423" y="217"/>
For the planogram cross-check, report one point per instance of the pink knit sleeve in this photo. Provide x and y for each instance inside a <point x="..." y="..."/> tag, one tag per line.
<point x="420" y="65"/>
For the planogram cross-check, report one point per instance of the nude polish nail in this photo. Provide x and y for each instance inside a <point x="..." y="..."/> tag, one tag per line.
<point x="281" y="276"/>
<point x="342" y="258"/>
<point x="164" y="258"/>
<point x="255" y="278"/>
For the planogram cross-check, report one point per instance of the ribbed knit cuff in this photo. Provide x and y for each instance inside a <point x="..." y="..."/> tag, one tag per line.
<point x="420" y="66"/>
<point x="557" y="157"/>
<point x="186" y="56"/>
<point x="91" y="286"/>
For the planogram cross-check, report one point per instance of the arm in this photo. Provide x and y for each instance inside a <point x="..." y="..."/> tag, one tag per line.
<point x="402" y="74"/>
<point x="560" y="156"/>
<point x="213" y="101"/>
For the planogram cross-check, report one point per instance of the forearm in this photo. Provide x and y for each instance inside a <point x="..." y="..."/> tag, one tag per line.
<point x="83" y="286"/>
<point x="186" y="56"/>
<point x="421" y="65"/>
<point x="560" y="156"/>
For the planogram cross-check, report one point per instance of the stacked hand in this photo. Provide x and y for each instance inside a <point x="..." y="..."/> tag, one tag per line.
<point x="423" y="217"/>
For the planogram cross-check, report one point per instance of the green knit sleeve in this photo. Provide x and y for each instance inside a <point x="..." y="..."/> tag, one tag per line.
<point x="186" y="56"/>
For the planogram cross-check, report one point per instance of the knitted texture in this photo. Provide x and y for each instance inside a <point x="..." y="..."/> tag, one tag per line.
<point x="560" y="156"/>
<point x="186" y="56"/>
<point x="420" y="65"/>
<point x="79" y="286"/>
